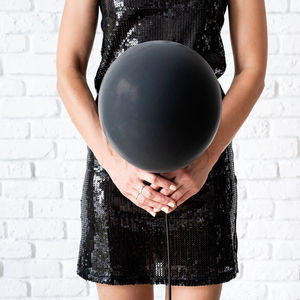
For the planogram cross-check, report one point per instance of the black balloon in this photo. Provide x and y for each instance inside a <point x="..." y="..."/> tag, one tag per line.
<point x="160" y="105"/>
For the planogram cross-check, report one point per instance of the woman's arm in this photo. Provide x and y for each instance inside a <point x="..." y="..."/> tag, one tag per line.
<point x="76" y="37"/>
<point x="248" y="31"/>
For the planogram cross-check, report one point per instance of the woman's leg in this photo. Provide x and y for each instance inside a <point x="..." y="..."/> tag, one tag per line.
<point x="203" y="292"/>
<point x="125" y="292"/>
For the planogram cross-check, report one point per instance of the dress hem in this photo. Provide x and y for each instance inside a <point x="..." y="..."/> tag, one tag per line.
<point x="119" y="280"/>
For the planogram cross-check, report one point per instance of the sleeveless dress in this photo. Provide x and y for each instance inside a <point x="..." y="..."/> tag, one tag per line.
<point x="120" y="242"/>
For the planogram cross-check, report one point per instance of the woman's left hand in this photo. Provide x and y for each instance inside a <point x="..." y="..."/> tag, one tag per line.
<point x="188" y="180"/>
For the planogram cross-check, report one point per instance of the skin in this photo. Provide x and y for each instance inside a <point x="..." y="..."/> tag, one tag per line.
<point x="248" y="31"/>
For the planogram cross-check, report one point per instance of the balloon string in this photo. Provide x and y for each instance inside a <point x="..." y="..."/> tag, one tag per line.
<point x="168" y="249"/>
<point x="168" y="243"/>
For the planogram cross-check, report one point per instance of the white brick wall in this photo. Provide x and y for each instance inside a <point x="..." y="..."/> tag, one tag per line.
<point x="42" y="163"/>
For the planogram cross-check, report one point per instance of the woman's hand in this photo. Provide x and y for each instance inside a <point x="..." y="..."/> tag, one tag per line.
<point x="189" y="180"/>
<point x="129" y="179"/>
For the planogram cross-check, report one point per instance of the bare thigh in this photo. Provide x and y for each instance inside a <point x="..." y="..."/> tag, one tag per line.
<point x="125" y="292"/>
<point x="203" y="292"/>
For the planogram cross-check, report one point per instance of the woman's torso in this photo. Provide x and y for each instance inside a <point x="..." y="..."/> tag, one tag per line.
<point x="194" y="23"/>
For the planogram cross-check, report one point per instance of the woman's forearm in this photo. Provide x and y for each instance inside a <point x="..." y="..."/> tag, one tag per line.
<point x="242" y="95"/>
<point x="80" y="105"/>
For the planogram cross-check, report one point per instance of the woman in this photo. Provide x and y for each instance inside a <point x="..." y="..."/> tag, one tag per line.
<point x="123" y="245"/>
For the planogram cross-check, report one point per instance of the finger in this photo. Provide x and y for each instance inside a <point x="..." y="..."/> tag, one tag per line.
<point x="156" y="207"/>
<point x="184" y="198"/>
<point x="149" y="210"/>
<point x="156" y="187"/>
<point x="140" y="201"/>
<point x="181" y="200"/>
<point x="169" y="193"/>
<point x="178" y="193"/>
<point x="158" y="180"/>
<point x="152" y="205"/>
<point x="155" y="196"/>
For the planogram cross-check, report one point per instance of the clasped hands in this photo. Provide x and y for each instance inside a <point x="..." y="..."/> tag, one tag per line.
<point x="188" y="180"/>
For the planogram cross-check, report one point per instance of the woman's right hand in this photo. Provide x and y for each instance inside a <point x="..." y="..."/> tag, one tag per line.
<point x="129" y="179"/>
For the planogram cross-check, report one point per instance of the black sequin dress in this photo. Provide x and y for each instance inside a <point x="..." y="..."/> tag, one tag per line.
<point x="122" y="243"/>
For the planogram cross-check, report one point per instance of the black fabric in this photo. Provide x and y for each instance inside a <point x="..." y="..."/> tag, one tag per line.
<point x="122" y="243"/>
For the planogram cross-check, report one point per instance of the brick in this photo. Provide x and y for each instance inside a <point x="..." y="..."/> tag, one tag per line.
<point x="290" y="107"/>
<point x="269" y="90"/>
<point x="287" y="250"/>
<point x="295" y="6"/>
<point x="276" y="6"/>
<point x="32" y="189"/>
<point x="35" y="229"/>
<point x="15" y="169"/>
<point x="11" y="87"/>
<point x="289" y="168"/>
<point x="15" y="249"/>
<point x="60" y="170"/>
<point x="283" y="23"/>
<point x="26" y="149"/>
<point x="256" y="209"/>
<point x="2" y="236"/>
<point x="287" y="210"/>
<point x="241" y="227"/>
<point x="255" y="169"/>
<point x="72" y="189"/>
<point x="41" y="86"/>
<point x="289" y="86"/>
<point x="13" y="43"/>
<point x="270" y="270"/>
<point x="237" y="289"/>
<point x="241" y="190"/>
<point x="72" y="150"/>
<point x="26" y="22"/>
<point x="62" y="287"/>
<point x="63" y="249"/>
<point x="284" y="290"/>
<point x="254" y="250"/>
<point x="273" y="44"/>
<point x="12" y="129"/>
<point x="268" y="148"/>
<point x="56" y="208"/>
<point x="283" y="64"/>
<point x="54" y="128"/>
<point x="29" y="64"/>
<point x="285" y="127"/>
<point x="267" y="229"/>
<point x="50" y="5"/>
<point x="289" y="43"/>
<point x="279" y="189"/>
<point x="23" y="5"/>
<point x="44" y="43"/>
<point x="69" y="269"/>
<point x="253" y="128"/>
<point x="267" y="108"/>
<point x="14" y="208"/>
<point x="31" y="269"/>
<point x="28" y="107"/>
<point x="13" y="288"/>
<point x="74" y="226"/>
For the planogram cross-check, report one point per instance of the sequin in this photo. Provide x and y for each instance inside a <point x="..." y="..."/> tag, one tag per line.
<point x="122" y="243"/>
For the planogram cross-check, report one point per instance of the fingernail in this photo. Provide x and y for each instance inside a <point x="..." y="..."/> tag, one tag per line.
<point x="172" y="187"/>
<point x="171" y="204"/>
<point x="155" y="209"/>
<point x="165" y="209"/>
<point x="153" y="213"/>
